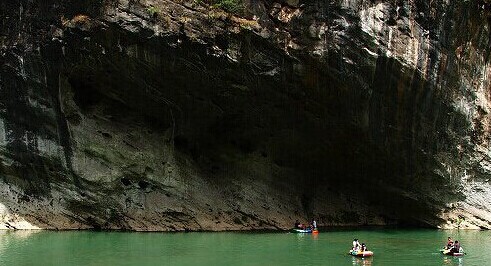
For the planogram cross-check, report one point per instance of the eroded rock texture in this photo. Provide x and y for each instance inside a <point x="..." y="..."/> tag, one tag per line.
<point x="170" y="115"/>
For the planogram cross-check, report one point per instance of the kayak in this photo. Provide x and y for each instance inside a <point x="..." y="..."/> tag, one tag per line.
<point x="361" y="254"/>
<point x="305" y="231"/>
<point x="448" y="253"/>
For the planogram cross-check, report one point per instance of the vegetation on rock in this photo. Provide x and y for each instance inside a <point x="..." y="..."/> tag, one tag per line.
<point x="152" y="11"/>
<point x="232" y="6"/>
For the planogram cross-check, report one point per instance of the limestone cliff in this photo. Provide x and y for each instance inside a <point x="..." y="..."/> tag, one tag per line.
<point x="177" y="115"/>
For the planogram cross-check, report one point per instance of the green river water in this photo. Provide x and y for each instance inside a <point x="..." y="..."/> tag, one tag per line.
<point x="390" y="247"/>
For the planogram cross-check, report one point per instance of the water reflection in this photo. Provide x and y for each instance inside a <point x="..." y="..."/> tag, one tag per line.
<point x="307" y="236"/>
<point x="8" y="237"/>
<point x="447" y="260"/>
<point x="362" y="261"/>
<point x="19" y="234"/>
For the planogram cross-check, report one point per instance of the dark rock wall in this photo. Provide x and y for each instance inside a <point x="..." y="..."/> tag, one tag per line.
<point x="167" y="115"/>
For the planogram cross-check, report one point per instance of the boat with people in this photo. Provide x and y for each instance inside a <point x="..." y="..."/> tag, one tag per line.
<point x="452" y="248"/>
<point x="359" y="250"/>
<point x="303" y="229"/>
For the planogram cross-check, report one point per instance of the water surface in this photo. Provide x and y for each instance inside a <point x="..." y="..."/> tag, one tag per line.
<point x="391" y="247"/>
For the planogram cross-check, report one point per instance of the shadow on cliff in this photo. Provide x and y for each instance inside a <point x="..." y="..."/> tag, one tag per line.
<point x="377" y="143"/>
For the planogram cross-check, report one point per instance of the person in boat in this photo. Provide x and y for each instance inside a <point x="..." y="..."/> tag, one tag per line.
<point x="449" y="243"/>
<point x="297" y="224"/>
<point x="314" y="225"/>
<point x="356" y="245"/>
<point x="300" y="226"/>
<point x="456" y="248"/>
<point x="363" y="247"/>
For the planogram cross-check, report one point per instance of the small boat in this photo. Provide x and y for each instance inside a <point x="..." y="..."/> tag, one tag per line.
<point x="360" y="253"/>
<point x="305" y="231"/>
<point x="449" y="253"/>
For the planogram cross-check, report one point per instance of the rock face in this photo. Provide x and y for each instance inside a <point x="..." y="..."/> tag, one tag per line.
<point x="170" y="115"/>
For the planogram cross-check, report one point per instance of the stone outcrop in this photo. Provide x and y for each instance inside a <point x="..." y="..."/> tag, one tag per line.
<point x="173" y="115"/>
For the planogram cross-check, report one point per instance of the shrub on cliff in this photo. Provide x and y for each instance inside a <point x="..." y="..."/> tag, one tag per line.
<point x="232" y="6"/>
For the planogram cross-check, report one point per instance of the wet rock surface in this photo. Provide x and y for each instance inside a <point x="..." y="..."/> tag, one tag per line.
<point x="170" y="115"/>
